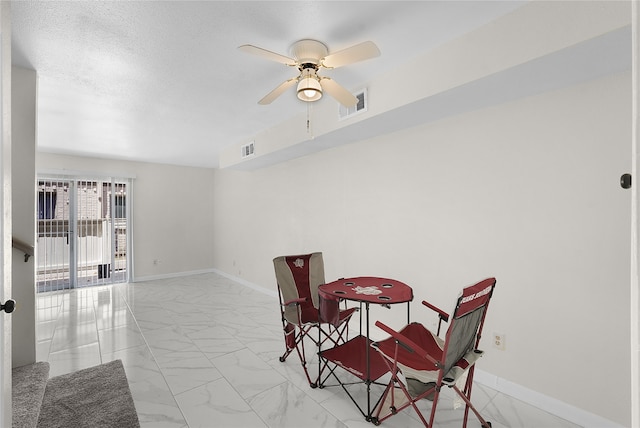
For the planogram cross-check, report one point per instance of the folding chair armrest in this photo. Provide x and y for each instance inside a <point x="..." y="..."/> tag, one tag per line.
<point x="407" y="343"/>
<point x="442" y="314"/>
<point x="294" y="301"/>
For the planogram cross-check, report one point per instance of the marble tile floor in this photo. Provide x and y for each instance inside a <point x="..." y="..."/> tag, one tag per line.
<point x="202" y="351"/>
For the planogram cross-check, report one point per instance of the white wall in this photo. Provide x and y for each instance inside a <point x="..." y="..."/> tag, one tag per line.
<point x="172" y="212"/>
<point x="527" y="192"/>
<point x="23" y="129"/>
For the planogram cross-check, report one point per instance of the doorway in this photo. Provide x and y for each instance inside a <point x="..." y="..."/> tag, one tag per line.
<point x="83" y="232"/>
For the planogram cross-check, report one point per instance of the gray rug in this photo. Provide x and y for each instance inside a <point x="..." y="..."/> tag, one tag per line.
<point x="97" y="397"/>
<point x="29" y="383"/>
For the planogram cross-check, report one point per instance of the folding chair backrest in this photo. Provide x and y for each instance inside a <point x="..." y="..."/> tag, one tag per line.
<point x="299" y="276"/>
<point x="466" y="322"/>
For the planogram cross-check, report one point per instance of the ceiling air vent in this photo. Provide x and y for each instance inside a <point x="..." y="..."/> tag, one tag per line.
<point x="361" y="106"/>
<point x="248" y="150"/>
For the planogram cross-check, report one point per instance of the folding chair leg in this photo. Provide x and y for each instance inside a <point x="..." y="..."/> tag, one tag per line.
<point x="396" y="403"/>
<point x="289" y="331"/>
<point x="483" y="422"/>
<point x="296" y="341"/>
<point x="434" y="406"/>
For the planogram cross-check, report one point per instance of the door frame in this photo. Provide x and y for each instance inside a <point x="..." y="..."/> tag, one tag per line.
<point x="5" y="208"/>
<point x="634" y="286"/>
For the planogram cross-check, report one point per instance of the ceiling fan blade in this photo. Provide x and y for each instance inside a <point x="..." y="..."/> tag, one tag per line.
<point x="254" y="50"/>
<point x="268" y="99"/>
<point x="356" y="53"/>
<point x="343" y="96"/>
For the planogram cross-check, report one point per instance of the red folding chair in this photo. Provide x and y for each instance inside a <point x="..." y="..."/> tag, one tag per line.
<point x="421" y="363"/>
<point x="299" y="277"/>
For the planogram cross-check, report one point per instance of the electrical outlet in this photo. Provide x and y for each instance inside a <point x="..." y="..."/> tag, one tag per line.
<point x="499" y="341"/>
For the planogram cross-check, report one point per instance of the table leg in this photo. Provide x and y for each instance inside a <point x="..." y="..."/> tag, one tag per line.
<point x="360" y="314"/>
<point x="368" y="380"/>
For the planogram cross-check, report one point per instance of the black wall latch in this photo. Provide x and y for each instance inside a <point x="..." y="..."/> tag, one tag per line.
<point x="8" y="306"/>
<point x="625" y="181"/>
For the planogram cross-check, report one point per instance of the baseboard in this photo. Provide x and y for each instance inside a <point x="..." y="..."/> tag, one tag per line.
<point x="172" y="275"/>
<point x="272" y="293"/>
<point x="549" y="404"/>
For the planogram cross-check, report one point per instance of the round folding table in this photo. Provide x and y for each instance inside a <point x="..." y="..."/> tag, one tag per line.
<point x="355" y="356"/>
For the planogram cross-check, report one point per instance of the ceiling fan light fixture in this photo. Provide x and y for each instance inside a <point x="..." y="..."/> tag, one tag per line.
<point x="309" y="89"/>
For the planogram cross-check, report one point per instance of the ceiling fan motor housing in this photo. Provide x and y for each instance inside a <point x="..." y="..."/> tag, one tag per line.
<point x="309" y="51"/>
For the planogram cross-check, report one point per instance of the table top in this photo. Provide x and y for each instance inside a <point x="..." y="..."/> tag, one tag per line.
<point x="382" y="291"/>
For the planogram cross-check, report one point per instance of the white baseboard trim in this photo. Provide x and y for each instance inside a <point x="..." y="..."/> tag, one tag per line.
<point x="549" y="404"/>
<point x="272" y="293"/>
<point x="172" y="275"/>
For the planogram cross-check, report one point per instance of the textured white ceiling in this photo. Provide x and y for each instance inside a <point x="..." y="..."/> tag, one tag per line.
<point x="163" y="81"/>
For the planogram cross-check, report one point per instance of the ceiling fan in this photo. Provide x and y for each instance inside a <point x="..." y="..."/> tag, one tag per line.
<point x="309" y="56"/>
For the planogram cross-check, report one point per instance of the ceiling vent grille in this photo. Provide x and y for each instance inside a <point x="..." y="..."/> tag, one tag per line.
<point x="360" y="107"/>
<point x="248" y="150"/>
